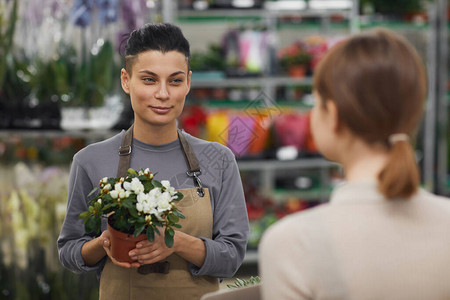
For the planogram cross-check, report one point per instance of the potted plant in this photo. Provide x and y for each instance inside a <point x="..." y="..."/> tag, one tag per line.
<point x="135" y="207"/>
<point x="295" y="59"/>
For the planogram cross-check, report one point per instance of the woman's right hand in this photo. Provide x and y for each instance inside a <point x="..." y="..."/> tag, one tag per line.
<point x="105" y="240"/>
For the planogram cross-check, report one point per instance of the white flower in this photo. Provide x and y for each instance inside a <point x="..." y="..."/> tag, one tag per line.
<point x="155" y="193"/>
<point x="107" y="187"/>
<point x="114" y="194"/>
<point x="166" y="185"/>
<point x="122" y="194"/>
<point x="148" y="219"/>
<point x="118" y="187"/>
<point x="105" y="180"/>
<point x="146" y="171"/>
<point x="99" y="201"/>
<point x="159" y="216"/>
<point x="140" y="206"/>
<point x="135" y="185"/>
<point x="164" y="202"/>
<point x="142" y="197"/>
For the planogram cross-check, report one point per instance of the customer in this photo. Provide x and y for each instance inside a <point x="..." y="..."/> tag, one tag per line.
<point x="381" y="236"/>
<point x="212" y="242"/>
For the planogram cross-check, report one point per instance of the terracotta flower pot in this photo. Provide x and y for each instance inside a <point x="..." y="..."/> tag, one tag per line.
<point x="123" y="243"/>
<point x="298" y="71"/>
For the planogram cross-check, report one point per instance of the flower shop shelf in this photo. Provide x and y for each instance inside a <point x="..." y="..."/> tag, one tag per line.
<point x="269" y="11"/>
<point x="268" y="170"/>
<point x="270" y="165"/>
<point x="92" y="135"/>
<point x="251" y="82"/>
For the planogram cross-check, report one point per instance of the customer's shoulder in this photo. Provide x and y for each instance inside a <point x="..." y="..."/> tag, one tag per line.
<point x="300" y="223"/>
<point x="433" y="200"/>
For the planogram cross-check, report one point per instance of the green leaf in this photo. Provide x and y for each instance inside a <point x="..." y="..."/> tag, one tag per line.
<point x="150" y="234"/>
<point x="93" y="191"/>
<point x="133" y="212"/>
<point x="120" y="224"/>
<point x="157" y="230"/>
<point x="91" y="224"/>
<point x="173" y="218"/>
<point x="157" y="223"/>
<point x="177" y="225"/>
<point x="131" y="171"/>
<point x="138" y="230"/>
<point x="112" y="181"/>
<point x="168" y="240"/>
<point x="107" y="198"/>
<point x="148" y="186"/>
<point x="179" y="196"/>
<point x="169" y="231"/>
<point x="157" y="184"/>
<point x="84" y="215"/>
<point x="178" y="214"/>
<point x="127" y="203"/>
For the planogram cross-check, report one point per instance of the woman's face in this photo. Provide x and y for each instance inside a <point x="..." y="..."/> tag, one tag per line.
<point x="158" y="85"/>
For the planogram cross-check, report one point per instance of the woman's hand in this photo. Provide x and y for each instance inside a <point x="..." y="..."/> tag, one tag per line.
<point x="150" y="252"/>
<point x="105" y="239"/>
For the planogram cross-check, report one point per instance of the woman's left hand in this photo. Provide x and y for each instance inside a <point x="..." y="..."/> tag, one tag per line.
<point x="150" y="252"/>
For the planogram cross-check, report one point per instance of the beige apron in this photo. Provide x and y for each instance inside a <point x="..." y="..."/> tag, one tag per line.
<point x="122" y="283"/>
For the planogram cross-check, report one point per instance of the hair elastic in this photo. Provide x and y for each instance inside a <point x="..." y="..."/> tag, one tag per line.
<point x="398" y="137"/>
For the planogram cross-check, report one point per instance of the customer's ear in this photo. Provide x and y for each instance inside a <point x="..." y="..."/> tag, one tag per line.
<point x="333" y="116"/>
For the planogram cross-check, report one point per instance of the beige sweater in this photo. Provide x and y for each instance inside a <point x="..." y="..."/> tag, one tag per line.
<point x="360" y="246"/>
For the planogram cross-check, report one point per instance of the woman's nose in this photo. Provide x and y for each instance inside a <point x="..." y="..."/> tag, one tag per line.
<point x="162" y="92"/>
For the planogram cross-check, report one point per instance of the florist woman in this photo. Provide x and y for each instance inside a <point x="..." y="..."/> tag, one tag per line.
<point x="212" y="241"/>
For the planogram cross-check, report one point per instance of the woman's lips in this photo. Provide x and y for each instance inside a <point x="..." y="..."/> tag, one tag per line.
<point x="160" y="109"/>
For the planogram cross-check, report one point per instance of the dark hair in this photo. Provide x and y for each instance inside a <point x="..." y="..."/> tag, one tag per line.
<point x="163" y="37"/>
<point x="378" y="83"/>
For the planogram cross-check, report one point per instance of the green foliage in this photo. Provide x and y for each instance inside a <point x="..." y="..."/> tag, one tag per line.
<point x="293" y="55"/>
<point x="95" y="77"/>
<point x="211" y="60"/>
<point x="238" y="283"/>
<point x="7" y="29"/>
<point x="395" y="6"/>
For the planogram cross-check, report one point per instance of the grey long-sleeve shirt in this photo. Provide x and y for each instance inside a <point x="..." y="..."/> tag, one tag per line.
<point x="220" y="174"/>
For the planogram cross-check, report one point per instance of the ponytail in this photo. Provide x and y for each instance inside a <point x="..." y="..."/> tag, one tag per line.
<point x="400" y="176"/>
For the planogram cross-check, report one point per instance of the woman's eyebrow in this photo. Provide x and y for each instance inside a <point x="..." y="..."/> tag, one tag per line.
<point x="148" y="72"/>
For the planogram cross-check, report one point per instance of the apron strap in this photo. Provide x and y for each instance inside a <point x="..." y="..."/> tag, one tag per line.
<point x="192" y="161"/>
<point x="125" y="153"/>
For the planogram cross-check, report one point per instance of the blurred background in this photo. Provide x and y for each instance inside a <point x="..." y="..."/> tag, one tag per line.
<point x="252" y="63"/>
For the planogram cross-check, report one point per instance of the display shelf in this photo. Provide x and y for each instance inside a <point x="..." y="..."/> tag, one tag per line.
<point x="270" y="165"/>
<point x="280" y="195"/>
<point x="49" y="134"/>
<point x="239" y="14"/>
<point x="247" y="82"/>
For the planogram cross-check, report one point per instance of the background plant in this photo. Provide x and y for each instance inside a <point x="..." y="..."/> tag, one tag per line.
<point x="293" y="55"/>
